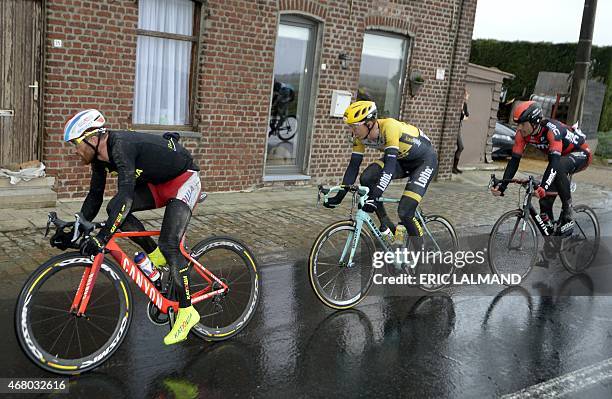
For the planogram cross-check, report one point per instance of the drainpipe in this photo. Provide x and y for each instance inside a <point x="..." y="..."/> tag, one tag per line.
<point x="450" y="77"/>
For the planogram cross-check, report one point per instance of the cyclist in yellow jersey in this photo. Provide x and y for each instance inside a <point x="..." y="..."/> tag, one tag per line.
<point x="408" y="152"/>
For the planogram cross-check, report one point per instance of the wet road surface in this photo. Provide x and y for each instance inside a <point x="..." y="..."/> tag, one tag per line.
<point x="449" y="346"/>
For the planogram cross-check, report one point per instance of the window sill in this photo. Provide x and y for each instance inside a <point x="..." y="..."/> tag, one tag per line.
<point x="271" y="178"/>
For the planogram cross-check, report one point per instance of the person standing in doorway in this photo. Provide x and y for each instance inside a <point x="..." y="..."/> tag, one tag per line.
<point x="464" y="115"/>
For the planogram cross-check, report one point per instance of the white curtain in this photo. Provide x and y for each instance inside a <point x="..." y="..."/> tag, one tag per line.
<point x="161" y="95"/>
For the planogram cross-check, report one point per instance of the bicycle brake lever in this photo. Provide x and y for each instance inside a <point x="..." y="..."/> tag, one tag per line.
<point x="48" y="226"/>
<point x="51" y="217"/>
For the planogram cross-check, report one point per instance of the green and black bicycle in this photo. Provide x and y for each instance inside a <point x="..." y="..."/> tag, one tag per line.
<point x="341" y="259"/>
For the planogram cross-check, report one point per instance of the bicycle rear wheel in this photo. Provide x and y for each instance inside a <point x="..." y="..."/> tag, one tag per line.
<point x="60" y="341"/>
<point x="579" y="251"/>
<point x="439" y="237"/>
<point x="513" y="245"/>
<point x="338" y="285"/>
<point x="288" y="128"/>
<point x="225" y="315"/>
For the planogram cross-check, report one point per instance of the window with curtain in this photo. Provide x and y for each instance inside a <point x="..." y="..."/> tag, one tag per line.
<point x="163" y="62"/>
<point x="383" y="64"/>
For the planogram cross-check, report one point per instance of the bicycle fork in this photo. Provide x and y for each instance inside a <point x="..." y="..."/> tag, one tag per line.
<point x="351" y="245"/>
<point x="81" y="298"/>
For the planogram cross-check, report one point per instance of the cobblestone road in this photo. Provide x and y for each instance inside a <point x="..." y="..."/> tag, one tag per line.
<point x="279" y="225"/>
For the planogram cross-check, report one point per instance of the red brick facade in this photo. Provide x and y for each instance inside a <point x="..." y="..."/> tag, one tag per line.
<point x="96" y="68"/>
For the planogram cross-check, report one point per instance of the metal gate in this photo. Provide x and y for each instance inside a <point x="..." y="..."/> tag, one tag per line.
<point x="21" y="56"/>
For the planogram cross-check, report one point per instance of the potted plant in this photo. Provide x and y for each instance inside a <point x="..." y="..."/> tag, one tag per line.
<point x="416" y="83"/>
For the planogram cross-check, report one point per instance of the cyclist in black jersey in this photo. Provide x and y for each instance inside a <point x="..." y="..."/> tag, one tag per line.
<point x="568" y="153"/>
<point x="408" y="153"/>
<point x="152" y="172"/>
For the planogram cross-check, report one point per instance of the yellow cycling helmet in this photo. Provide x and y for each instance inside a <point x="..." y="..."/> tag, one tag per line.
<point x="360" y="112"/>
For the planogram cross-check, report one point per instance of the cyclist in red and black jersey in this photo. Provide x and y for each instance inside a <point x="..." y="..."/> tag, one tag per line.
<point x="568" y="153"/>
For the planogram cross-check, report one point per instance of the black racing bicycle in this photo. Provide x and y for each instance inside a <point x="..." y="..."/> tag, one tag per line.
<point x="514" y="243"/>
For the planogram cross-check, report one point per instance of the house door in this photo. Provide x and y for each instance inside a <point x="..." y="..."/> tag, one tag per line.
<point x="293" y="74"/>
<point x="20" y="78"/>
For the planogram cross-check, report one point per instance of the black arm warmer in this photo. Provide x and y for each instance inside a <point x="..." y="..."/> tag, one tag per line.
<point x="119" y="206"/>
<point x="510" y="171"/>
<point x="93" y="201"/>
<point x="352" y="170"/>
<point x="387" y="173"/>
<point x="551" y="170"/>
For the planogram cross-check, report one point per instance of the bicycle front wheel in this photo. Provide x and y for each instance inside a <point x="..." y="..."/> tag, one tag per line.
<point x="439" y="237"/>
<point x="288" y="128"/>
<point x="579" y="251"/>
<point x="336" y="283"/>
<point x="513" y="245"/>
<point x="58" y="340"/>
<point x="224" y="315"/>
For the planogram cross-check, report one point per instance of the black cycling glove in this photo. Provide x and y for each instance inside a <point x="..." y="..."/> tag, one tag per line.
<point x="62" y="239"/>
<point x="335" y="200"/>
<point x="369" y="205"/>
<point x="92" y="246"/>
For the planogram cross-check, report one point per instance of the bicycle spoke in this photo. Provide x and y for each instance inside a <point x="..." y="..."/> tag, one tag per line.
<point x="69" y="343"/>
<point x="50" y="308"/>
<point x="78" y="338"/>
<point x="327" y="264"/>
<point x="89" y="307"/>
<point x="100" y="297"/>
<point x="56" y="328"/>
<point x="334" y="278"/>
<point x="96" y="327"/>
<point x="100" y="316"/>
<point x="49" y="318"/>
<point x="324" y="273"/>
<point x="60" y="334"/>
<point x="92" y="337"/>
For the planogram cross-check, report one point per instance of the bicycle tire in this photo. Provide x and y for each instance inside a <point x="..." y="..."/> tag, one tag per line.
<point x="288" y="128"/>
<point x="517" y="213"/>
<point x="207" y="329"/>
<point x="29" y="340"/>
<point x="455" y="244"/>
<point x="314" y="263"/>
<point x="568" y="245"/>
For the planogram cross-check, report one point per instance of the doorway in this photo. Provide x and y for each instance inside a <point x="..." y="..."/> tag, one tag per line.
<point x="21" y="55"/>
<point x="293" y="76"/>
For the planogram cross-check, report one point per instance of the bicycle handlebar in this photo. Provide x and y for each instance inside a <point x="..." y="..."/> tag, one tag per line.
<point x="523" y="182"/>
<point x="81" y="225"/>
<point x="362" y="191"/>
<point x="530" y="184"/>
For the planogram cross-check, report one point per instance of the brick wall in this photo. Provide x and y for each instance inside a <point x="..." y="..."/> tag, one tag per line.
<point x="96" y="68"/>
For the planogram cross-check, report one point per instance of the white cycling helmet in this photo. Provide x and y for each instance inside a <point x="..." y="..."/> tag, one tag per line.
<point x="79" y="124"/>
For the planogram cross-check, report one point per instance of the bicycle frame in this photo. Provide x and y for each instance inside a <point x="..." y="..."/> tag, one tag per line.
<point x="83" y="294"/>
<point x="361" y="218"/>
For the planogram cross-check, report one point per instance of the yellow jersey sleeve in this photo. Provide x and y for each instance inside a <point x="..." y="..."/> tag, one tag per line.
<point x="358" y="147"/>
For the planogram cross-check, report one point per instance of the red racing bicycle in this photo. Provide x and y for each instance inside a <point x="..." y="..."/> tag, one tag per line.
<point x="73" y="312"/>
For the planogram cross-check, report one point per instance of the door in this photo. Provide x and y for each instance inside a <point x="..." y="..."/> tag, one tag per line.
<point x="20" y="77"/>
<point x="475" y="129"/>
<point x="293" y="71"/>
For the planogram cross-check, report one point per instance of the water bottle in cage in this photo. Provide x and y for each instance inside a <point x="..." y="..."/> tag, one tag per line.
<point x="147" y="267"/>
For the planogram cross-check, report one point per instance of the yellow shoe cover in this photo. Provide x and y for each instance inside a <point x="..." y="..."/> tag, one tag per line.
<point x="186" y="318"/>
<point x="182" y="389"/>
<point x="157" y="258"/>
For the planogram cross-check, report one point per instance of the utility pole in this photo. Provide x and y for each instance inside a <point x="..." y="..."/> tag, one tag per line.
<point x="583" y="60"/>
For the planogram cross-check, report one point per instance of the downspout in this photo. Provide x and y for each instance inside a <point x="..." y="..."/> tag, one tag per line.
<point x="450" y="76"/>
